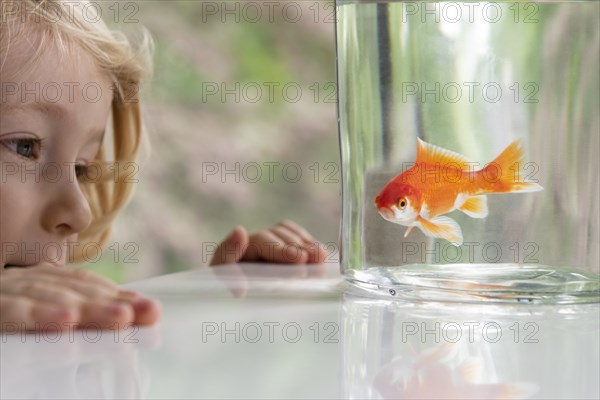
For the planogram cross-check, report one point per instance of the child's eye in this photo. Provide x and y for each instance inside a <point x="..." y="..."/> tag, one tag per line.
<point x="28" y="148"/>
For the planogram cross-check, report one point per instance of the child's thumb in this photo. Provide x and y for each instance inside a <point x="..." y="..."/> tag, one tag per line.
<point x="233" y="248"/>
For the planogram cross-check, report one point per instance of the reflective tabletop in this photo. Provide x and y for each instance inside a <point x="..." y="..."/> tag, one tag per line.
<point x="281" y="331"/>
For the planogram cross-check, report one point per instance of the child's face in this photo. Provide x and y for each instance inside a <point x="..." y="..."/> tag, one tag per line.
<point x="52" y="122"/>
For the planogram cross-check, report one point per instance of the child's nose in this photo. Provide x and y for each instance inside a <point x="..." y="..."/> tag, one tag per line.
<point x="68" y="211"/>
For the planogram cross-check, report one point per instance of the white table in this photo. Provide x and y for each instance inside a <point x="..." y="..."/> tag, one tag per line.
<point x="278" y="331"/>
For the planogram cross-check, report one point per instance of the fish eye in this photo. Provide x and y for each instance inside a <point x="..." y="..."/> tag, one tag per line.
<point x="402" y="204"/>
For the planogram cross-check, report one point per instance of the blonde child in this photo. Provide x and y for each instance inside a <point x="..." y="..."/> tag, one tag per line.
<point x="67" y="82"/>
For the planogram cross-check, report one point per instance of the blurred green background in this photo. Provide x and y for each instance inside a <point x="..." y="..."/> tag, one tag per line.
<point x="242" y="129"/>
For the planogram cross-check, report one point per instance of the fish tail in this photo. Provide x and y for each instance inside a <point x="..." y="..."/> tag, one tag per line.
<point x="507" y="172"/>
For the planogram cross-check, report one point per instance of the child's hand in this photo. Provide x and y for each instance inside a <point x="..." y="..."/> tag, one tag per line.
<point x="49" y="297"/>
<point x="285" y="243"/>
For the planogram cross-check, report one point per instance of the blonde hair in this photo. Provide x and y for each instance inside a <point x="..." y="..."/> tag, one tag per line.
<point x="64" y="24"/>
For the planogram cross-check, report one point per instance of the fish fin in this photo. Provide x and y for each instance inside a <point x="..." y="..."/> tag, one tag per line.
<point x="460" y="199"/>
<point x="408" y="230"/>
<point x="511" y="155"/>
<point x="525" y="187"/>
<point x="475" y="206"/>
<point x="442" y="227"/>
<point x="510" y="165"/>
<point x="428" y="153"/>
<point x="424" y="211"/>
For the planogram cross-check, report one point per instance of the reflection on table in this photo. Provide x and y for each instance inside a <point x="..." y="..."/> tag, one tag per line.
<point x="75" y="364"/>
<point x="461" y="351"/>
<point x="280" y="331"/>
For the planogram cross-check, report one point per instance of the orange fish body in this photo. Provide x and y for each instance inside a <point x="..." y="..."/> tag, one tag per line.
<point x="442" y="181"/>
<point x="441" y="373"/>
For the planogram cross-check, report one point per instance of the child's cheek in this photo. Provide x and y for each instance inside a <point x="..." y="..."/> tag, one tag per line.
<point x="19" y="195"/>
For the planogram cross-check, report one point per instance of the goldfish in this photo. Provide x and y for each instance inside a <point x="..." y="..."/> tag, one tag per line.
<point x="441" y="181"/>
<point x="441" y="373"/>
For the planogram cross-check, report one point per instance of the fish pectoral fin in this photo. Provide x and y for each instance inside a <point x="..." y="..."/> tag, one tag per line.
<point x="424" y="213"/>
<point x="442" y="227"/>
<point x="475" y="207"/>
<point x="408" y="230"/>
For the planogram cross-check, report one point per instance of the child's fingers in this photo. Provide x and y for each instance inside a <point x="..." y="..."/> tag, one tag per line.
<point x="44" y="307"/>
<point x="69" y="273"/>
<point x="287" y="235"/>
<point x="44" y="292"/>
<point x="316" y="253"/>
<point x="91" y="310"/>
<point x="232" y="249"/>
<point x="52" y="275"/>
<point x="147" y="311"/>
<point x="107" y="307"/>
<point x="267" y="246"/>
<point x="66" y="291"/>
<point x="298" y="230"/>
<point x="84" y="288"/>
<point x="106" y="315"/>
<point x="19" y="313"/>
<point x="85" y="283"/>
<point x="293" y="233"/>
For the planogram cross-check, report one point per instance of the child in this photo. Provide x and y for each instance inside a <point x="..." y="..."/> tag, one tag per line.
<point x="63" y="74"/>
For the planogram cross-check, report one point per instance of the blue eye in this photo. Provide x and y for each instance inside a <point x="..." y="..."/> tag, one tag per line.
<point x="28" y="148"/>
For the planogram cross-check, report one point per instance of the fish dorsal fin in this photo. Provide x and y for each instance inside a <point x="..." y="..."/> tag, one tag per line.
<point x="428" y="153"/>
